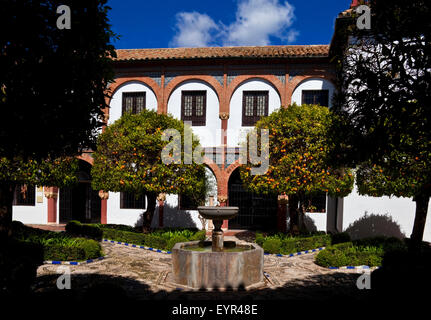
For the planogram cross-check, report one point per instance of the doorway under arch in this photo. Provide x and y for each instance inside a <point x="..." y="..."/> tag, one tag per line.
<point x="80" y="202"/>
<point x="256" y="212"/>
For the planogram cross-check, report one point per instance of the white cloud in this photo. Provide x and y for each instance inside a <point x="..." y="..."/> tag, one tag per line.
<point x="256" y="22"/>
<point x="194" y="30"/>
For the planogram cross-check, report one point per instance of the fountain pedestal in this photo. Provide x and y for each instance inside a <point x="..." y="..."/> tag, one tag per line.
<point x="217" y="236"/>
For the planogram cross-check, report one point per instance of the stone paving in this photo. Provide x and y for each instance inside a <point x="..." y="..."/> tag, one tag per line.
<point x="143" y="274"/>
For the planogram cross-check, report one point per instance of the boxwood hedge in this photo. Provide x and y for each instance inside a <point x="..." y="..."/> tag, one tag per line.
<point x="368" y="252"/>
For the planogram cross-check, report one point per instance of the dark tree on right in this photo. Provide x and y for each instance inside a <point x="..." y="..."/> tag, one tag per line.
<point x="384" y="99"/>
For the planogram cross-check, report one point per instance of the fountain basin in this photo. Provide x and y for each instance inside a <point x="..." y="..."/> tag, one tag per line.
<point x="218" y="213"/>
<point x="224" y="269"/>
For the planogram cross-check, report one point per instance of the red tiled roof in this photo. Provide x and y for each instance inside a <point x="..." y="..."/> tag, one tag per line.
<point x="223" y="52"/>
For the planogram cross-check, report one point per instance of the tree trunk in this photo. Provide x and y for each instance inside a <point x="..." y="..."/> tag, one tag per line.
<point x="6" y="200"/>
<point x="149" y="213"/>
<point x="294" y="215"/>
<point x="420" y="219"/>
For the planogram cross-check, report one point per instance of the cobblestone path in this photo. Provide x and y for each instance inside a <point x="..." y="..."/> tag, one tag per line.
<point x="142" y="274"/>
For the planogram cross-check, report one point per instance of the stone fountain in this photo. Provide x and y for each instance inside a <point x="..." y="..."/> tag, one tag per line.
<point x="219" y="263"/>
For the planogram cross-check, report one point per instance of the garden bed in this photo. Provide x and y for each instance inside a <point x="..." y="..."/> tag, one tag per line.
<point x="286" y="244"/>
<point x="369" y="252"/>
<point x="57" y="246"/>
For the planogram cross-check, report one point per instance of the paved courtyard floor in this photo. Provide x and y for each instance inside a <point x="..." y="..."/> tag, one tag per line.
<point x="133" y="273"/>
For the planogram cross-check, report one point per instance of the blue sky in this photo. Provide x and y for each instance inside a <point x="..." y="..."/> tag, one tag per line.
<point x="193" y="23"/>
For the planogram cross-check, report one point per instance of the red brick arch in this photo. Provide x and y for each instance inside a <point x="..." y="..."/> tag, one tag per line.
<point x="239" y="80"/>
<point x="177" y="81"/>
<point x="144" y="80"/>
<point x="297" y="80"/>
<point x="86" y="157"/>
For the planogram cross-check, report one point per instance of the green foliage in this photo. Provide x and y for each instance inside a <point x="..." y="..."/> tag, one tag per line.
<point x="299" y="150"/>
<point x="58" y="172"/>
<point x="52" y="81"/>
<point x="340" y="238"/>
<point x="57" y="246"/>
<point x="159" y="239"/>
<point x="285" y="244"/>
<point x="70" y="249"/>
<point x="383" y="98"/>
<point x="368" y="252"/>
<point x="128" y="158"/>
<point x="175" y="239"/>
<point x="76" y="228"/>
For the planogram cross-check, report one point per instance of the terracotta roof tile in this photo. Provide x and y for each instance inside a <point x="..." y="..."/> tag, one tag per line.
<point x="223" y="52"/>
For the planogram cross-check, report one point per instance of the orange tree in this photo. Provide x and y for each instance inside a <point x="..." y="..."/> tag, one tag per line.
<point x="298" y="159"/>
<point x="129" y="158"/>
<point x="384" y="97"/>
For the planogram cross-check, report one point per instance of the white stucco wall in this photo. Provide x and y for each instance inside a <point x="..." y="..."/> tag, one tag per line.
<point x="401" y="210"/>
<point x="209" y="135"/>
<point x="132" y="86"/>
<point x="313" y="84"/>
<point x="236" y="132"/>
<point x="116" y="215"/>
<point x="37" y="214"/>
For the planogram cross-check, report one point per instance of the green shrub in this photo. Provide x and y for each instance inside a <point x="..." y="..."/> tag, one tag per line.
<point x="272" y="245"/>
<point x="340" y="237"/>
<point x="368" y="252"/>
<point x="175" y="239"/>
<point x="76" y="228"/>
<point x="260" y="238"/>
<point x="159" y="239"/>
<point x="289" y="244"/>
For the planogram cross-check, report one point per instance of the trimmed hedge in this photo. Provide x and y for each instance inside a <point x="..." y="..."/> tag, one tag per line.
<point x="76" y="228"/>
<point x="159" y="239"/>
<point x="58" y="245"/>
<point x="369" y="252"/>
<point x="286" y="244"/>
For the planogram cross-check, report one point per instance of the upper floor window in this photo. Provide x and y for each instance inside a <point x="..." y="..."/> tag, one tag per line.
<point x="133" y="102"/>
<point x="320" y="97"/>
<point x="24" y="195"/>
<point x="193" y="107"/>
<point x="129" y="200"/>
<point x="254" y="106"/>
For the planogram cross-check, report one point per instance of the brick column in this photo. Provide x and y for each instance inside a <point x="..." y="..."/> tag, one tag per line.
<point x="51" y="193"/>
<point x="223" y="203"/>
<point x="104" y="196"/>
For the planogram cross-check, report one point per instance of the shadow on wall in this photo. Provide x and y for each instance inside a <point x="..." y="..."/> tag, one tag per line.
<point x="374" y="225"/>
<point x="172" y="218"/>
<point x="309" y="224"/>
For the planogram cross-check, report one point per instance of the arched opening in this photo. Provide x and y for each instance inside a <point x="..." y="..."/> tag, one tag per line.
<point x="256" y="212"/>
<point x="80" y="202"/>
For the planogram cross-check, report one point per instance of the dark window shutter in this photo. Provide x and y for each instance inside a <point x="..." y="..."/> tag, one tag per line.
<point x="198" y="100"/>
<point x="133" y="102"/>
<point x="129" y="200"/>
<point x="257" y="97"/>
<point x="320" y="97"/>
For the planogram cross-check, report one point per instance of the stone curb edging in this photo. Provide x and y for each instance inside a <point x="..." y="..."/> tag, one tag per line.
<point x="354" y="268"/>
<point x="74" y="263"/>
<point x="137" y="246"/>
<point x="296" y="253"/>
